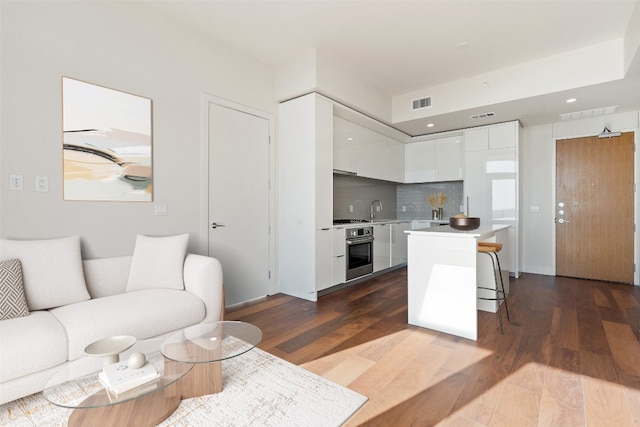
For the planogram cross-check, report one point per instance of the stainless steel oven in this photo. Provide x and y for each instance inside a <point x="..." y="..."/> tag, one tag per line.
<point x="359" y="251"/>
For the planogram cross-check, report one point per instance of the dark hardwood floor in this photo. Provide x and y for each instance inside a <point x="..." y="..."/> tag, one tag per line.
<point x="569" y="357"/>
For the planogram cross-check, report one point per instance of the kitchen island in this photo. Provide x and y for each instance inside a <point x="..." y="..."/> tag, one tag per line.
<point x="444" y="271"/>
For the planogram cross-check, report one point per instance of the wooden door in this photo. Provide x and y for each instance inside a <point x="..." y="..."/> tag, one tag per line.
<point x="239" y="197"/>
<point x="594" y="208"/>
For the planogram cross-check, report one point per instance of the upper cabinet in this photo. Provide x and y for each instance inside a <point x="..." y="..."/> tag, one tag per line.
<point x="360" y="150"/>
<point x="434" y="160"/>
<point x="493" y="137"/>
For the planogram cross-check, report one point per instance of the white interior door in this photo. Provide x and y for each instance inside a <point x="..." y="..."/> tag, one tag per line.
<point x="239" y="212"/>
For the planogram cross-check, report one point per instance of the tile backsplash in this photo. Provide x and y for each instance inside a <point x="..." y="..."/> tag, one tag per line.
<point x="352" y="197"/>
<point x="415" y="199"/>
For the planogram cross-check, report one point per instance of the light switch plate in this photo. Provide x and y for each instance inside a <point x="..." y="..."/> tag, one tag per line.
<point x="160" y="209"/>
<point x="534" y="209"/>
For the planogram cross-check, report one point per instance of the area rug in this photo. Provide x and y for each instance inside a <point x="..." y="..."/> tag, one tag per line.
<point x="259" y="390"/>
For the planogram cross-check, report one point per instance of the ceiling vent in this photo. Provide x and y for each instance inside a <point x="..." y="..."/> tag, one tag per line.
<point x="482" y="116"/>
<point x="421" y="103"/>
<point x="585" y="114"/>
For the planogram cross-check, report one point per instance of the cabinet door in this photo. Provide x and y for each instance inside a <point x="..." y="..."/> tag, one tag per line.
<point x="399" y="243"/>
<point x="420" y="162"/>
<point x="449" y="159"/>
<point x="382" y="160"/>
<point x="503" y="135"/>
<point x="381" y="247"/>
<point x="324" y="164"/>
<point x="324" y="260"/>
<point x="476" y="139"/>
<point x="339" y="266"/>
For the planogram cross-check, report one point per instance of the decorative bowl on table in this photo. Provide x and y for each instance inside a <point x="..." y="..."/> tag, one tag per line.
<point x="464" y="223"/>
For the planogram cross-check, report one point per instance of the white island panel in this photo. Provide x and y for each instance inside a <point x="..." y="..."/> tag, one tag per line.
<point x="444" y="269"/>
<point x="442" y="284"/>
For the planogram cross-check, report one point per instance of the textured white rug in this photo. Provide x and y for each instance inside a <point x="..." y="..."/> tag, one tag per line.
<point x="259" y="390"/>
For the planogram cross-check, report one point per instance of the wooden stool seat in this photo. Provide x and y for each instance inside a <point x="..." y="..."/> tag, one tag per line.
<point x="489" y="247"/>
<point x="492" y="249"/>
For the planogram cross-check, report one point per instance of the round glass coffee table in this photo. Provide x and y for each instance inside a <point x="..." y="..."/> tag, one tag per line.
<point x="76" y="386"/>
<point x="207" y="345"/>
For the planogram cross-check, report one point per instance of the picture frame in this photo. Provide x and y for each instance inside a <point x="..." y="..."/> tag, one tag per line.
<point x="107" y="144"/>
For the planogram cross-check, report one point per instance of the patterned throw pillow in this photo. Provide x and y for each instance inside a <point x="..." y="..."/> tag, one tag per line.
<point x="12" y="301"/>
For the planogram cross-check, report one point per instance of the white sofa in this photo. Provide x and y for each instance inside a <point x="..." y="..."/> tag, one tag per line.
<point x="34" y="346"/>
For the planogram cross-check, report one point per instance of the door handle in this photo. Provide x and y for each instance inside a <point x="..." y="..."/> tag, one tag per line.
<point x="216" y="225"/>
<point x="562" y="220"/>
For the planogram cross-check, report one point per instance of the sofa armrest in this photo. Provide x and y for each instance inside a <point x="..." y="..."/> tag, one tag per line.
<point x="203" y="277"/>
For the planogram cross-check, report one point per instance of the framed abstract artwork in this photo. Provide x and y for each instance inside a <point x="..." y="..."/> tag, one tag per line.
<point x="107" y="144"/>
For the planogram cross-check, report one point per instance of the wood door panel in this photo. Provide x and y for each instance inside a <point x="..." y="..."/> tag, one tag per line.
<point x="594" y="180"/>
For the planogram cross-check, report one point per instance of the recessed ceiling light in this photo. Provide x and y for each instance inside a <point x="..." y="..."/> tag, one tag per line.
<point x="463" y="45"/>
<point x="349" y="139"/>
<point x="570" y="100"/>
<point x="430" y="125"/>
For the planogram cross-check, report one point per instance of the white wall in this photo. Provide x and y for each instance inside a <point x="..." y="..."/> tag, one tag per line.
<point x="538" y="183"/>
<point x="311" y="72"/>
<point x="125" y="46"/>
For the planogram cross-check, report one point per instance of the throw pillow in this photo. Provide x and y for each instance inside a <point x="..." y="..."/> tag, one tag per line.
<point x="12" y="301"/>
<point x="158" y="262"/>
<point x="51" y="270"/>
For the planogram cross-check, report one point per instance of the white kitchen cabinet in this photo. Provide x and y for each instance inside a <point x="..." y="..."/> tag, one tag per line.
<point x="399" y="242"/>
<point x="420" y="162"/>
<point x="305" y="195"/>
<point x="449" y="159"/>
<point x="381" y="247"/>
<point x="434" y="160"/>
<point x="492" y="137"/>
<point x="491" y="184"/>
<point x="417" y="224"/>
<point x="367" y="153"/>
<point x="339" y="263"/>
<point x="381" y="160"/>
<point x="476" y="139"/>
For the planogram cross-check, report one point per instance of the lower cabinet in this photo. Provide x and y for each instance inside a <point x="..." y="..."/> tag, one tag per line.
<point x="399" y="242"/>
<point x="381" y="247"/>
<point x="339" y="259"/>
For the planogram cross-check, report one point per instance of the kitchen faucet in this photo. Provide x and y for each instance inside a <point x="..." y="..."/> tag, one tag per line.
<point x="373" y="214"/>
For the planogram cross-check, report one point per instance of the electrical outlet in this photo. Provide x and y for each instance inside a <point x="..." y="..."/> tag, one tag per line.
<point x="404" y="209"/>
<point x="350" y="208"/>
<point x="15" y="182"/>
<point x="42" y="184"/>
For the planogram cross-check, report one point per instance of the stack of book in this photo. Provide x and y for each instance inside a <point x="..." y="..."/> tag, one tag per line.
<point x="119" y="378"/>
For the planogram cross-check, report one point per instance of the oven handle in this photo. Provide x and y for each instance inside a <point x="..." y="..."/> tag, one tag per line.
<point x="359" y="241"/>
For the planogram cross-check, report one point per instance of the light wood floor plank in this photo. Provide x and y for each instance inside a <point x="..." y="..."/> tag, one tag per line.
<point x="605" y="404"/>
<point x="518" y="407"/>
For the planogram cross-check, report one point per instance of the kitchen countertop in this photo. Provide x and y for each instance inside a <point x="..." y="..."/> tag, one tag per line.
<point x="387" y="221"/>
<point x="446" y="230"/>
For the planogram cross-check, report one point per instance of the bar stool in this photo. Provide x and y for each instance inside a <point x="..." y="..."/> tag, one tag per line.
<point x="492" y="249"/>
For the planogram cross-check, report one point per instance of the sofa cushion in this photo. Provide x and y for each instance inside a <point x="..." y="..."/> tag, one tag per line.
<point x="12" y="301"/>
<point x="51" y="270"/>
<point x="142" y="314"/>
<point x="30" y="344"/>
<point x="158" y="262"/>
<point x="106" y="276"/>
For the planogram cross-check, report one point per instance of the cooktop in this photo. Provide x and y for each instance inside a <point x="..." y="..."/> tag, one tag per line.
<point x="349" y="221"/>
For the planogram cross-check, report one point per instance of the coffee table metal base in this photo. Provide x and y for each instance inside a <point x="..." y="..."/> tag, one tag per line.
<point x="146" y="411"/>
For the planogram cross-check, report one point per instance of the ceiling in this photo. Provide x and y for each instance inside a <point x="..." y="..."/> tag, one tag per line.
<point x="402" y="46"/>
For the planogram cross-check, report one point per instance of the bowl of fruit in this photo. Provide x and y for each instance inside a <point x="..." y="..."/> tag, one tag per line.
<point x="464" y="223"/>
